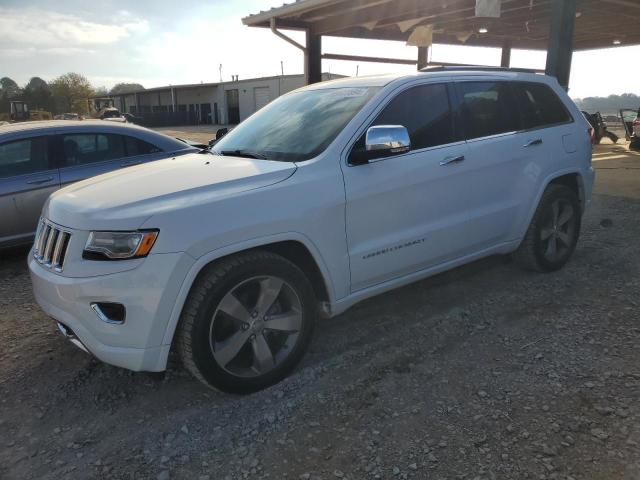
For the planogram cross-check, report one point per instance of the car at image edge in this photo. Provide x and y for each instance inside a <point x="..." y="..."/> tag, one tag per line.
<point x="38" y="158"/>
<point x="329" y="195"/>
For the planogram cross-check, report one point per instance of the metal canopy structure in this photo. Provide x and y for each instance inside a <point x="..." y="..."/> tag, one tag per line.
<point x="558" y="26"/>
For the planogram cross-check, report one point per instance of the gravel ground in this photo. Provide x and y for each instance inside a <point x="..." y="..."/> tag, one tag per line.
<point x="484" y="372"/>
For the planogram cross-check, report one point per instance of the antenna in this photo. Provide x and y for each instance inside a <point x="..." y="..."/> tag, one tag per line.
<point x="220" y="73"/>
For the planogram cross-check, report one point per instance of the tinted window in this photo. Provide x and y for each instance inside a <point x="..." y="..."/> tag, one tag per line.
<point x="539" y="105"/>
<point x="85" y="148"/>
<point x="425" y="112"/>
<point x="135" y="146"/>
<point x="487" y="108"/>
<point x="23" y="156"/>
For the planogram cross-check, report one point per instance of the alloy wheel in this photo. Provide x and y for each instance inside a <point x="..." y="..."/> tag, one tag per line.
<point x="558" y="231"/>
<point x="256" y="326"/>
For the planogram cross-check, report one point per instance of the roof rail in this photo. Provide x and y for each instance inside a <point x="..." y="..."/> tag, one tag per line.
<point x="458" y="68"/>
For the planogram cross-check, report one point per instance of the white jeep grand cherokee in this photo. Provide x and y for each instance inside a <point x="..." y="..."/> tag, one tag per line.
<point x="329" y="195"/>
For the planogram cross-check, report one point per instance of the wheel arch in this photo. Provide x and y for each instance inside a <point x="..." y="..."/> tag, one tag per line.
<point x="572" y="178"/>
<point x="293" y="246"/>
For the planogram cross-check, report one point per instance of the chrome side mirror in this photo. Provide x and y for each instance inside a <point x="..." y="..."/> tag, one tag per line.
<point x="387" y="140"/>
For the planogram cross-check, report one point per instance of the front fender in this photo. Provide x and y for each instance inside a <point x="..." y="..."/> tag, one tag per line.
<point x="227" y="250"/>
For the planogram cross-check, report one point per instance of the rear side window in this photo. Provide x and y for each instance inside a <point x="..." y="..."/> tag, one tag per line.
<point x="487" y="108"/>
<point x="425" y="112"/>
<point x="135" y="146"/>
<point x="87" y="148"/>
<point x="539" y="105"/>
<point x="20" y="157"/>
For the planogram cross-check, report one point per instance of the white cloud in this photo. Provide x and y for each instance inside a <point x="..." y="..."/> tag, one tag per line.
<point x="42" y="28"/>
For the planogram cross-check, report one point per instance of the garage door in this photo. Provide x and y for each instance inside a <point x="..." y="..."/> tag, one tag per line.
<point x="261" y="95"/>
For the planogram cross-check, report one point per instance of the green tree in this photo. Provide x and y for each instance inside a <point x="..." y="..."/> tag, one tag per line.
<point x="70" y="93"/>
<point x="37" y="94"/>
<point x="610" y="104"/>
<point x="9" y="87"/>
<point x="9" y="90"/>
<point x="120" y="88"/>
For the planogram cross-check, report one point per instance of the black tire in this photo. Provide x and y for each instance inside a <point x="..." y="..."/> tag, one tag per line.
<point x="534" y="253"/>
<point x="196" y="331"/>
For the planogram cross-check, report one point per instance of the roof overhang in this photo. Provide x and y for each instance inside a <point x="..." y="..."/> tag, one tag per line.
<point x="522" y="24"/>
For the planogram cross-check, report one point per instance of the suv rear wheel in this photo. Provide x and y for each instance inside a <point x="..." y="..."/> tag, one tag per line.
<point x="247" y="322"/>
<point x="553" y="232"/>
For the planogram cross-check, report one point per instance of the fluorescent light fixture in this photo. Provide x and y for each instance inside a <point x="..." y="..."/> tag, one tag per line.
<point x="617" y="42"/>
<point x="482" y="30"/>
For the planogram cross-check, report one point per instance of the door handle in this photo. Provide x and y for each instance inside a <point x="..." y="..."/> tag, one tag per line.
<point x="531" y="143"/>
<point x="450" y="160"/>
<point x="38" y="181"/>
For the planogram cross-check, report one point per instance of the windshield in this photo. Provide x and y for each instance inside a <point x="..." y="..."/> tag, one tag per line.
<point x="297" y="126"/>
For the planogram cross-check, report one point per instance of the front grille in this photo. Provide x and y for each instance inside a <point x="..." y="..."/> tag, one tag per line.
<point x="50" y="247"/>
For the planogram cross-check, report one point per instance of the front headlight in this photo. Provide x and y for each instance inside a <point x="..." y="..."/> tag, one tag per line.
<point x="119" y="245"/>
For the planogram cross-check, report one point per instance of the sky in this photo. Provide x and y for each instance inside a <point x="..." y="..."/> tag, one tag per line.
<point x="168" y="42"/>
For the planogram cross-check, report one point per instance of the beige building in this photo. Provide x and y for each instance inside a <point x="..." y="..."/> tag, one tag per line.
<point x="207" y="103"/>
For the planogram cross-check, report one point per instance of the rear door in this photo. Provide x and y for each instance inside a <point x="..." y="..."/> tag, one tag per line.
<point x="495" y="162"/>
<point x="140" y="151"/>
<point x="27" y="177"/>
<point x="86" y="155"/>
<point x="549" y="137"/>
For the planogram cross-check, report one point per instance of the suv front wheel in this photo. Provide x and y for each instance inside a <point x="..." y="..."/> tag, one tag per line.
<point x="553" y="232"/>
<point x="247" y="322"/>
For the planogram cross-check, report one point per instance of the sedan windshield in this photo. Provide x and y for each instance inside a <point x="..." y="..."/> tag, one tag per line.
<point x="297" y="126"/>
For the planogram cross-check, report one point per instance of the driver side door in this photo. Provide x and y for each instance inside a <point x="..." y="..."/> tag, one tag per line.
<point x="405" y="212"/>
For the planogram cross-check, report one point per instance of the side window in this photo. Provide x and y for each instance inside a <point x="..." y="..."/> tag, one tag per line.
<point x="539" y="105"/>
<point x="20" y="157"/>
<point x="87" y="148"/>
<point x="487" y="108"/>
<point x="135" y="146"/>
<point x="425" y="112"/>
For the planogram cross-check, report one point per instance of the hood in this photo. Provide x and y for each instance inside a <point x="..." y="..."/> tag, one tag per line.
<point x="125" y="198"/>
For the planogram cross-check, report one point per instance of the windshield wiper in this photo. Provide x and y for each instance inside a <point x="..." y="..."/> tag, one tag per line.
<point x="243" y="153"/>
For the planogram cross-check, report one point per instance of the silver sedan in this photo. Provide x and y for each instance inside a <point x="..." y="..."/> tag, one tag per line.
<point x="37" y="158"/>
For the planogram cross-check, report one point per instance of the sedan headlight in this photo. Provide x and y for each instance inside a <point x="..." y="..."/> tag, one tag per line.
<point x="119" y="245"/>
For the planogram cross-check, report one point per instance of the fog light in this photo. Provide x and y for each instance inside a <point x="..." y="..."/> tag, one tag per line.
<point x="113" y="313"/>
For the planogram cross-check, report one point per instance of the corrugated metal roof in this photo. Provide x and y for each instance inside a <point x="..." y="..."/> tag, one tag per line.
<point x="522" y="23"/>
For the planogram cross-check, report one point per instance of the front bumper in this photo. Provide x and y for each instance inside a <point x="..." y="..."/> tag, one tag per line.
<point x="148" y="293"/>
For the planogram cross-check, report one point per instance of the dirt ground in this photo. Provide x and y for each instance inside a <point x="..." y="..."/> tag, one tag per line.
<point x="485" y="372"/>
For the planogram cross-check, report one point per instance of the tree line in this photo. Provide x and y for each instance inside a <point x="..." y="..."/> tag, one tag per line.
<point x="65" y="94"/>
<point x="609" y="105"/>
